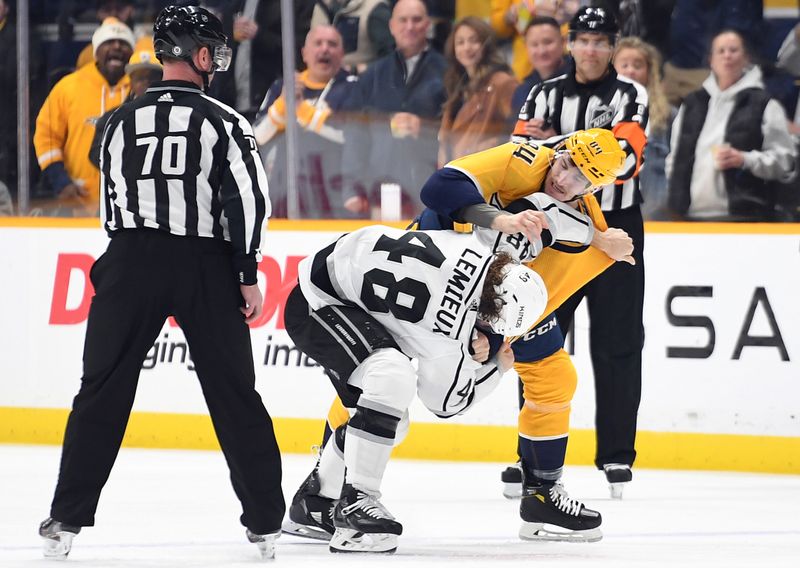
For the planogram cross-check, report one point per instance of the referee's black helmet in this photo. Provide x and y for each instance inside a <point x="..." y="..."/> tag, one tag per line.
<point x="593" y="20"/>
<point x="179" y="30"/>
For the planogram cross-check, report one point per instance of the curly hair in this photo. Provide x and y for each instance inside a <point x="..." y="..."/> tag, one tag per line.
<point x="490" y="304"/>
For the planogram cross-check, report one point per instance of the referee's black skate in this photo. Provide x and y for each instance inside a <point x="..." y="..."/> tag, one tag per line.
<point x="57" y="538"/>
<point x="548" y="513"/>
<point x="264" y="542"/>
<point x="618" y="476"/>
<point x="310" y="514"/>
<point x="363" y="524"/>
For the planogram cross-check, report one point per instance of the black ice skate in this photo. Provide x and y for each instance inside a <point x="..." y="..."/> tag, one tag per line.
<point x="617" y="475"/>
<point x="512" y="481"/>
<point x="311" y="514"/>
<point x="264" y="542"/>
<point x="548" y="513"/>
<point x="363" y="524"/>
<point x="57" y="538"/>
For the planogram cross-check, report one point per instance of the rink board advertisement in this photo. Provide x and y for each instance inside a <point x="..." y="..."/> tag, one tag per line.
<point x="721" y="359"/>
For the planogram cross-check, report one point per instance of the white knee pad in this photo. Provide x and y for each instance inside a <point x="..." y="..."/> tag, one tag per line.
<point x="387" y="380"/>
<point x="388" y="383"/>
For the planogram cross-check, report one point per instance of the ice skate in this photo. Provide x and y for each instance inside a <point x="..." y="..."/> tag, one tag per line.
<point x="363" y="524"/>
<point x="57" y="538"/>
<point x="512" y="481"/>
<point x="618" y="475"/>
<point x="548" y="513"/>
<point x="310" y="514"/>
<point x="264" y="542"/>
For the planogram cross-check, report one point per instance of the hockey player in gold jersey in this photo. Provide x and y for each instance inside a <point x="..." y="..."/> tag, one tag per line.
<point x="569" y="173"/>
<point x="472" y="189"/>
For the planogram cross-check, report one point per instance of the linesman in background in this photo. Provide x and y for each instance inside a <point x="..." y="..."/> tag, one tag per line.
<point x="591" y="95"/>
<point x="184" y="200"/>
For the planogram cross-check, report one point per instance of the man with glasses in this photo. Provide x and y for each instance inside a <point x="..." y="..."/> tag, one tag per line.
<point x="591" y="95"/>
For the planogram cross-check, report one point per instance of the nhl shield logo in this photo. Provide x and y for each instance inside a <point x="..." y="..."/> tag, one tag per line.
<point x="601" y="117"/>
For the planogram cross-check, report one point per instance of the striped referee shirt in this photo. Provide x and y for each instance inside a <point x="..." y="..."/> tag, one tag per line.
<point x="179" y="161"/>
<point x="614" y="103"/>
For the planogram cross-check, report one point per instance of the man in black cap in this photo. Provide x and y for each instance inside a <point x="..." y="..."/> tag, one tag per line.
<point x="591" y="95"/>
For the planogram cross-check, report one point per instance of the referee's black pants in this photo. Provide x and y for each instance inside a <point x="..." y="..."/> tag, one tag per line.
<point x="145" y="276"/>
<point x="616" y="337"/>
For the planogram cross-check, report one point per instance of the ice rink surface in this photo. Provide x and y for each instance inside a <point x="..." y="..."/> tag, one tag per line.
<point x="177" y="509"/>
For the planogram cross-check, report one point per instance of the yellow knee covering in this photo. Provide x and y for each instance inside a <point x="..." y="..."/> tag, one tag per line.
<point x="548" y="388"/>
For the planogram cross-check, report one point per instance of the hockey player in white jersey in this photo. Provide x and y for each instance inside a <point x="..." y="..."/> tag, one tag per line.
<point x="378" y="297"/>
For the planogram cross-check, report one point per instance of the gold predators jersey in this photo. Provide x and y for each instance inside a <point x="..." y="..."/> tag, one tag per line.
<point x="511" y="171"/>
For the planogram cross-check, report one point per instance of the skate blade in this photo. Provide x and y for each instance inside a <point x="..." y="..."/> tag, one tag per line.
<point x="58" y="547"/>
<point x="616" y="489"/>
<point x="512" y="490"/>
<point x="542" y="531"/>
<point x="305" y="531"/>
<point x="349" y="540"/>
<point x="265" y="543"/>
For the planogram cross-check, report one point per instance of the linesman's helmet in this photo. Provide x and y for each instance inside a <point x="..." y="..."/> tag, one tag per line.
<point x="524" y="297"/>
<point x="597" y="154"/>
<point x="179" y="30"/>
<point x="593" y="20"/>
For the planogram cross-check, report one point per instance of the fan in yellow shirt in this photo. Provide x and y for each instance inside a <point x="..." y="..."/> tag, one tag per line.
<point x="66" y="122"/>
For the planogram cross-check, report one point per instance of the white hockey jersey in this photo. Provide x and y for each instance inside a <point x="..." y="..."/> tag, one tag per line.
<point x="424" y="288"/>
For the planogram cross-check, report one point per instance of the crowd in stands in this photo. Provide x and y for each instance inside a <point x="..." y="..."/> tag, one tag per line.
<point x="387" y="91"/>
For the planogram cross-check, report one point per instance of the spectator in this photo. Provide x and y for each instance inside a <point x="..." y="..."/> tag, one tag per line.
<point x="545" y="47"/>
<point x="731" y="142"/>
<point x="400" y="96"/>
<point x="641" y="62"/>
<point x="479" y="87"/>
<point x="693" y="25"/>
<point x="320" y="92"/>
<point x="508" y="19"/>
<point x="65" y="125"/>
<point x="255" y="26"/>
<point x="143" y="70"/>
<point x="122" y="10"/>
<point x="363" y="25"/>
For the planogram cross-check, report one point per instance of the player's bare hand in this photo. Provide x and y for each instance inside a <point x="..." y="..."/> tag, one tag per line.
<point x="253" y="302"/>
<point x="530" y="223"/>
<point x="615" y="243"/>
<point x="505" y="357"/>
<point x="480" y="346"/>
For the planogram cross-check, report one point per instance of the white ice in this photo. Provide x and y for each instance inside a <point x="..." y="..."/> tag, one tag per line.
<point x="177" y="509"/>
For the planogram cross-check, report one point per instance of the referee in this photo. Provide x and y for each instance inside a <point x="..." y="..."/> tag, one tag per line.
<point x="590" y="95"/>
<point x="184" y="200"/>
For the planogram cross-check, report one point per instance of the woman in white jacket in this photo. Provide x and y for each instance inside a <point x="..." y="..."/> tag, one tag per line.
<point x="729" y="141"/>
